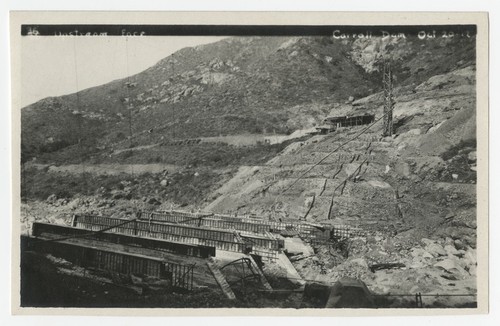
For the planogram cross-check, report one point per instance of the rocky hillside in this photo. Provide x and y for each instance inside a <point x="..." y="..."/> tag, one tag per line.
<point x="234" y="86"/>
<point x="374" y="179"/>
<point x="245" y="85"/>
<point x="264" y="84"/>
<point x="413" y="194"/>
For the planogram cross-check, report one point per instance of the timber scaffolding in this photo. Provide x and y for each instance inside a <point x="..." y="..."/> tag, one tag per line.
<point x="307" y="231"/>
<point x="265" y="245"/>
<point x="126" y="263"/>
<point x="241" y="223"/>
<point x="177" y="246"/>
<point x="183" y="266"/>
<point x="54" y="232"/>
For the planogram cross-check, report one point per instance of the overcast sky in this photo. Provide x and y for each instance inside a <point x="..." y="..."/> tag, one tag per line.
<point x="59" y="65"/>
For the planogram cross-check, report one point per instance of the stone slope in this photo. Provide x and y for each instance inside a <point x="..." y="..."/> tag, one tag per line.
<point x="400" y="181"/>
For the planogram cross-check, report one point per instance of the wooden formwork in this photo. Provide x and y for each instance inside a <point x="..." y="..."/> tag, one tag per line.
<point x="87" y="256"/>
<point x="180" y="275"/>
<point x="54" y="231"/>
<point x="223" y="221"/>
<point x="344" y="232"/>
<point x="204" y="220"/>
<point x="306" y="231"/>
<point x="265" y="244"/>
<point x="223" y="240"/>
<point x="255" y="233"/>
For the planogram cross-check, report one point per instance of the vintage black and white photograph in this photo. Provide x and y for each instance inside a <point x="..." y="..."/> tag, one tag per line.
<point x="249" y="166"/>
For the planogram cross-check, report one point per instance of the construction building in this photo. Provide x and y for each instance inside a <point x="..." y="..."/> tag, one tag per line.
<point x="335" y="122"/>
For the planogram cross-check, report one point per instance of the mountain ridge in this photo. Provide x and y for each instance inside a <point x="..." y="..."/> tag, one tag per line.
<point x="232" y="86"/>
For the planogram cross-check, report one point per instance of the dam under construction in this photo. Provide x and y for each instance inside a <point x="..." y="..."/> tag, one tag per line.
<point x="184" y="251"/>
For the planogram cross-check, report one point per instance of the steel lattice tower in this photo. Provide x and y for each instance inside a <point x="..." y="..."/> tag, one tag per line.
<point x="388" y="100"/>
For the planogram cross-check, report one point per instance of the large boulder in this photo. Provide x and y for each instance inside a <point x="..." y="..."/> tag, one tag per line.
<point x="420" y="253"/>
<point x="350" y="293"/>
<point x="435" y="250"/>
<point x="470" y="257"/>
<point x="295" y="246"/>
<point x="473" y="270"/>
<point x="452" y="266"/>
<point x="51" y="199"/>
<point x="153" y="201"/>
<point x="359" y="262"/>
<point x="451" y="250"/>
<point x="472" y="156"/>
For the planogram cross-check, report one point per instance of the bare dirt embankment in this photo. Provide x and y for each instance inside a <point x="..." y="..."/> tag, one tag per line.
<point x="414" y="193"/>
<point x="429" y="134"/>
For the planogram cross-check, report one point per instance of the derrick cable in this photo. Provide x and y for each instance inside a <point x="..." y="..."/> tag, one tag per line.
<point x="333" y="151"/>
<point x="330" y="153"/>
